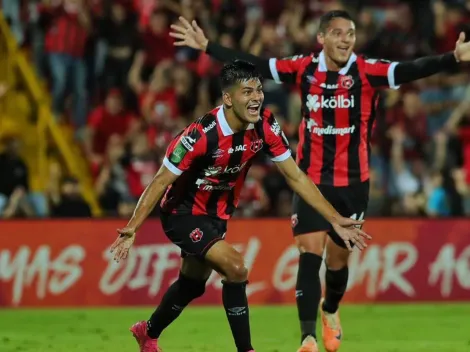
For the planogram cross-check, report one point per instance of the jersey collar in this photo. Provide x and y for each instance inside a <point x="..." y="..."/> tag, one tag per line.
<point x="222" y="121"/>
<point x="343" y="71"/>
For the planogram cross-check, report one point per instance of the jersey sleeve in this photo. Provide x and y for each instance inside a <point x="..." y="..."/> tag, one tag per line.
<point x="381" y="73"/>
<point x="276" y="144"/>
<point x="184" y="150"/>
<point x="287" y="69"/>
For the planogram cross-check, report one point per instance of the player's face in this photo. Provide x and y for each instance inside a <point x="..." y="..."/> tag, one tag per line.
<point x="247" y="98"/>
<point x="338" y="40"/>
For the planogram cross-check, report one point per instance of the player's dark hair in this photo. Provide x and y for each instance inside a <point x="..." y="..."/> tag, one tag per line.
<point x="236" y="72"/>
<point x="331" y="15"/>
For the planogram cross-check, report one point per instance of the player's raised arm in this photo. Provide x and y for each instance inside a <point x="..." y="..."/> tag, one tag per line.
<point x="393" y="74"/>
<point x="280" y="70"/>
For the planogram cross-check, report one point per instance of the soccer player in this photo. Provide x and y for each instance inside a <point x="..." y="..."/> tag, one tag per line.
<point x="339" y="96"/>
<point x="200" y="181"/>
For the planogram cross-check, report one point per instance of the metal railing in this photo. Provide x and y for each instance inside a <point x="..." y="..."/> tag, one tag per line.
<point x="15" y="70"/>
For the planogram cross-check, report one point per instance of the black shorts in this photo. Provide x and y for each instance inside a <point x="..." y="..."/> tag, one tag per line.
<point x="194" y="234"/>
<point x="350" y="201"/>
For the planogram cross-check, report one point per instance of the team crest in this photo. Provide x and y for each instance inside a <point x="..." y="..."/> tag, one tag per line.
<point x="196" y="235"/>
<point x="294" y="220"/>
<point x="347" y="82"/>
<point x="256" y="145"/>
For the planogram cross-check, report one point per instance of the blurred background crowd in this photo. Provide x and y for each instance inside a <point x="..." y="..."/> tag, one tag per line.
<point x="115" y="76"/>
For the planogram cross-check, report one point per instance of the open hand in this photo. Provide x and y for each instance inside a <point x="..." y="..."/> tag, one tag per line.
<point x="123" y="243"/>
<point x="189" y="34"/>
<point x="350" y="231"/>
<point x="462" y="49"/>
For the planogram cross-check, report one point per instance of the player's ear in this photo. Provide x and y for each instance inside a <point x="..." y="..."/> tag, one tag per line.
<point x="321" y="38"/>
<point x="227" y="99"/>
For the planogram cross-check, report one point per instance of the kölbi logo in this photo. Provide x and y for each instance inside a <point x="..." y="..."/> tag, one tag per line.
<point x="315" y="102"/>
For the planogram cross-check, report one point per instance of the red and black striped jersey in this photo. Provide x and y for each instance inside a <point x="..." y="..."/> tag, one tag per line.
<point x="338" y="110"/>
<point x="213" y="162"/>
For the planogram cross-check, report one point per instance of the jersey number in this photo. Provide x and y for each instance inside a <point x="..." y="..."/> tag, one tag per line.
<point x="355" y="217"/>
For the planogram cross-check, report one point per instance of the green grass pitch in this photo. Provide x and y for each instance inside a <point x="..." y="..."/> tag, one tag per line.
<point x="370" y="328"/>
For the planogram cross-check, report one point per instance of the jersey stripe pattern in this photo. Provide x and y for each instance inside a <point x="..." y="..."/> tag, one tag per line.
<point x="338" y="112"/>
<point x="212" y="162"/>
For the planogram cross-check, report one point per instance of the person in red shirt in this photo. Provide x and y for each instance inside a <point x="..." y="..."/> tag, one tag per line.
<point x="68" y="29"/>
<point x="106" y="120"/>
<point x="141" y="166"/>
<point x="156" y="46"/>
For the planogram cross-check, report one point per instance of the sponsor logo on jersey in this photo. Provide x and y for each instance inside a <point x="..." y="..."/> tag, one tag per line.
<point x="218" y="153"/>
<point x="188" y="142"/>
<point x="216" y="170"/>
<point x="178" y="153"/>
<point x="311" y="79"/>
<point x="205" y="185"/>
<point x="275" y="128"/>
<point x="313" y="127"/>
<point x="208" y="128"/>
<point x="328" y="86"/>
<point x="315" y="102"/>
<point x="238" y="148"/>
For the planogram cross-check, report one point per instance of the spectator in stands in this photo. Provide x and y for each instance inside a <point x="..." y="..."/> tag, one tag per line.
<point x="140" y="166"/>
<point x="111" y="184"/>
<point x="14" y="182"/>
<point x="459" y="126"/>
<point x="168" y="87"/>
<point x="68" y="28"/>
<point x="70" y="203"/>
<point x="12" y="11"/>
<point x="156" y="46"/>
<point x="105" y="121"/>
<point x="119" y="33"/>
<point x="406" y="182"/>
<point x="437" y="202"/>
<point x="253" y="200"/>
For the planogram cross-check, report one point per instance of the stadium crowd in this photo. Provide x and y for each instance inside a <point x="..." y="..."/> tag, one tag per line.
<point x="117" y="78"/>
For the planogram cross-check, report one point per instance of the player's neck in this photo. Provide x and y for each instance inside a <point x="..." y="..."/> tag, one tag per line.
<point x="235" y="124"/>
<point x="332" y="65"/>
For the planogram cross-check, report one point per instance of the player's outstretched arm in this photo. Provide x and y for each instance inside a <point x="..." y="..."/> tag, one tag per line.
<point x="190" y="34"/>
<point x="153" y="192"/>
<point x="409" y="71"/>
<point x="347" y="228"/>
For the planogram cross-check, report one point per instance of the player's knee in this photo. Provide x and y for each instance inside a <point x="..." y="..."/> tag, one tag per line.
<point x="236" y="271"/>
<point x="192" y="287"/>
<point x="336" y="257"/>
<point x="311" y="243"/>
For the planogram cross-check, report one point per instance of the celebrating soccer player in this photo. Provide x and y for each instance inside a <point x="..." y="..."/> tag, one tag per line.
<point x="200" y="181"/>
<point x="339" y="96"/>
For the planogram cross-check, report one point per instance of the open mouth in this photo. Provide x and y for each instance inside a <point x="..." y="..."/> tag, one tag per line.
<point x="343" y="49"/>
<point x="254" y="109"/>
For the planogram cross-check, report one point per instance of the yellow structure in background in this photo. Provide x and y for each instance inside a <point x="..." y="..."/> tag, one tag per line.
<point x="25" y="111"/>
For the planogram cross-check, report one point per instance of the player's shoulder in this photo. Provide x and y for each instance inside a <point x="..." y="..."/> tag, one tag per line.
<point x="266" y="115"/>
<point x="367" y="60"/>
<point x="202" y="125"/>
<point x="268" y="120"/>
<point x="302" y="59"/>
